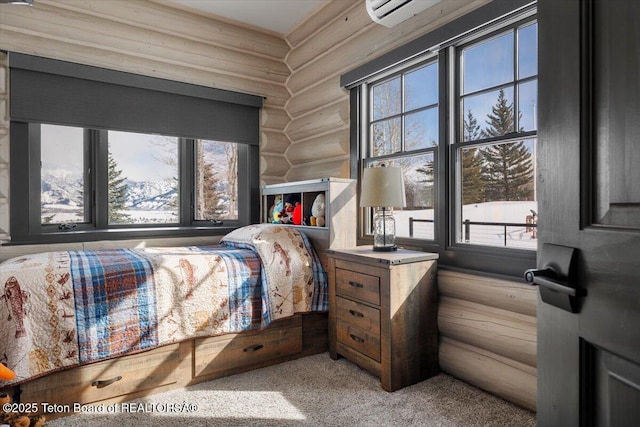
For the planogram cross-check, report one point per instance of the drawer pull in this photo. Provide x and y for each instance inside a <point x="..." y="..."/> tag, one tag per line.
<point x="104" y="383"/>
<point x="356" y="313"/>
<point x="355" y="284"/>
<point x="356" y="338"/>
<point x="253" y="348"/>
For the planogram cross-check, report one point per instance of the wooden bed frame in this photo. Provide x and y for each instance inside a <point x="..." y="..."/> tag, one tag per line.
<point x="173" y="366"/>
<point x="201" y="359"/>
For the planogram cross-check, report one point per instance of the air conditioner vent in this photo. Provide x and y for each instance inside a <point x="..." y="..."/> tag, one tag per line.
<point x="391" y="12"/>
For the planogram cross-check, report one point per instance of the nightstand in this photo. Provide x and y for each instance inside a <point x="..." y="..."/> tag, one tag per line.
<point x="383" y="313"/>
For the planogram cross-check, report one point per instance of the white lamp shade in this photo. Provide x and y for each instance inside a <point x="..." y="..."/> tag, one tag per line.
<point x="382" y="187"/>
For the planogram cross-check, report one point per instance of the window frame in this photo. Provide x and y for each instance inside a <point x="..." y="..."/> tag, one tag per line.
<point x="477" y="26"/>
<point x="25" y="175"/>
<point x="456" y="140"/>
<point x="366" y="93"/>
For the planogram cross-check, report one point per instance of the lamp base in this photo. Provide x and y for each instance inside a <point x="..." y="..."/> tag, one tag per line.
<point x="385" y="248"/>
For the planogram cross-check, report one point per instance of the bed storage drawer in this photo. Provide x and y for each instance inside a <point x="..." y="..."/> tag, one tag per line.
<point x="114" y="378"/>
<point x="233" y="353"/>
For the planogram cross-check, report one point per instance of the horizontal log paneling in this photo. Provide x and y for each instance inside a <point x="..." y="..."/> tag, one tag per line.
<point x="167" y="17"/>
<point x="332" y="167"/>
<point x="325" y="93"/>
<point x="510" y="334"/>
<point x="489" y="373"/>
<point x="273" y="165"/>
<point x="504" y="294"/>
<point x="336" y="39"/>
<point x="330" y="118"/>
<point x="343" y="27"/>
<point x="321" y="147"/>
<point x="273" y="118"/>
<point x="488" y="334"/>
<point x="59" y="24"/>
<point x="273" y="142"/>
<point x="320" y="19"/>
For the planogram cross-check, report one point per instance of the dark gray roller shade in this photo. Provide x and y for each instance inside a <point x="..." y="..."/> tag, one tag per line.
<point x="51" y="91"/>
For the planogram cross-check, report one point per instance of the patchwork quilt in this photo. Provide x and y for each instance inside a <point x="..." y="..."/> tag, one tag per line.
<point x="63" y="309"/>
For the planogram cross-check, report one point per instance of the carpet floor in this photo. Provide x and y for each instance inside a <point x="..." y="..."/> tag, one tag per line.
<point x="316" y="391"/>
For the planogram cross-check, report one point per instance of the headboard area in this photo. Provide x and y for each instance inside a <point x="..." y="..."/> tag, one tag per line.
<point x="323" y="209"/>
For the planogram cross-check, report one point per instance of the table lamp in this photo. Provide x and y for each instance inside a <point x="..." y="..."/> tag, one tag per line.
<point x="383" y="189"/>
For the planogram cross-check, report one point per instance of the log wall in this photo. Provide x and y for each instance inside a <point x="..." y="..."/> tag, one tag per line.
<point x="487" y="327"/>
<point x="340" y="37"/>
<point x="159" y="39"/>
<point x="488" y="334"/>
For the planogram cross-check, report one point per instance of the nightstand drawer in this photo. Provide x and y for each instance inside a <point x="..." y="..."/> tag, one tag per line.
<point x="358" y="285"/>
<point x="358" y="339"/>
<point x="359" y="315"/>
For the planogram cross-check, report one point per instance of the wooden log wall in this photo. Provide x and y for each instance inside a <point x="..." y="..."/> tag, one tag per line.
<point x="337" y="38"/>
<point x="487" y="327"/>
<point x="488" y="334"/>
<point x="160" y="39"/>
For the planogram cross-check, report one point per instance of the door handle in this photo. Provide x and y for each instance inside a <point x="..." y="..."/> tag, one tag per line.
<point x="557" y="277"/>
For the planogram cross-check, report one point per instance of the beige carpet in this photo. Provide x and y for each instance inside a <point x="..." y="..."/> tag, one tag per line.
<point x="315" y="391"/>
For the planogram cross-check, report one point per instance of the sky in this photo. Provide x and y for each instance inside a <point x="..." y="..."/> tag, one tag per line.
<point x="140" y="156"/>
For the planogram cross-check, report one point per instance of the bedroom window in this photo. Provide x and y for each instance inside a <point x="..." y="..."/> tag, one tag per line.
<point x="103" y="181"/>
<point x="99" y="154"/>
<point x="404" y="132"/>
<point x="495" y="147"/>
<point x="62" y="177"/>
<point x="143" y="177"/>
<point x="456" y="109"/>
<point x="216" y="180"/>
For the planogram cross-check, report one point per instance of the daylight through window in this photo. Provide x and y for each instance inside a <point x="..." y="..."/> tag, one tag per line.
<point x="488" y="138"/>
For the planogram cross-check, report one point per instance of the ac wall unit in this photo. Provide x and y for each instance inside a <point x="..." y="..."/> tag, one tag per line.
<point x="391" y="12"/>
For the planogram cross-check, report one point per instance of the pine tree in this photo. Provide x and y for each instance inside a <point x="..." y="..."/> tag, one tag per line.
<point x="118" y="190"/>
<point x="472" y="184"/>
<point x="501" y="118"/>
<point x="507" y="168"/>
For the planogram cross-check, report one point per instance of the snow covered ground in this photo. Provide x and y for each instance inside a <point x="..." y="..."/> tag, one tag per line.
<point x="491" y="235"/>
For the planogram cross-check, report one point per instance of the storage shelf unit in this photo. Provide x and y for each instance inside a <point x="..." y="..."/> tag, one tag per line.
<point x="339" y="230"/>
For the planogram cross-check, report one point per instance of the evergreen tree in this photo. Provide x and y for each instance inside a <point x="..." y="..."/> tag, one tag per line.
<point x="501" y="118"/>
<point x="472" y="185"/>
<point x="118" y="190"/>
<point x="507" y="168"/>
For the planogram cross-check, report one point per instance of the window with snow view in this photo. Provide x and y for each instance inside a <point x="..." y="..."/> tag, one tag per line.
<point x="460" y="121"/>
<point x="143" y="178"/>
<point x="62" y="175"/>
<point x="403" y="132"/>
<point x="216" y="180"/>
<point x="495" y="150"/>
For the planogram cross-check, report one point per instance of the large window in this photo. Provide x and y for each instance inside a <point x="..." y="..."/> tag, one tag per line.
<point x="496" y="140"/>
<point x="141" y="183"/>
<point x="460" y="119"/>
<point x="99" y="154"/>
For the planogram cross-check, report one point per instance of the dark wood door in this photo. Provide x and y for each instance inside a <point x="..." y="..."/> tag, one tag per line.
<point x="589" y="199"/>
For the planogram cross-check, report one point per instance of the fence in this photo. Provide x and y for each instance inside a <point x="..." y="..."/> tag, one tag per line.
<point x="480" y="236"/>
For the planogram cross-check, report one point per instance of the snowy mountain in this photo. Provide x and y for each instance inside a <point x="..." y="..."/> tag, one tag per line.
<point x="61" y="197"/>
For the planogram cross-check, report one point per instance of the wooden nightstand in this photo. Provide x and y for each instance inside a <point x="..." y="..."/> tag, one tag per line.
<point x="383" y="313"/>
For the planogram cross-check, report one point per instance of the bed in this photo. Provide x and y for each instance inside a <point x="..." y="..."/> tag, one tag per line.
<point x="188" y="307"/>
